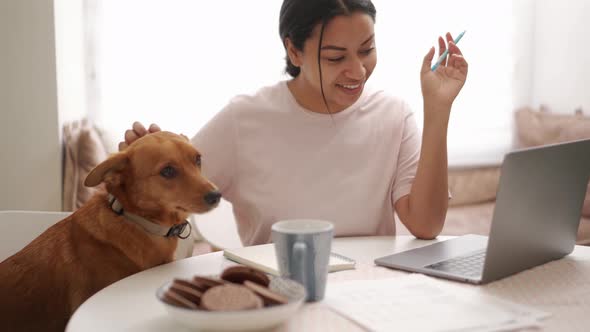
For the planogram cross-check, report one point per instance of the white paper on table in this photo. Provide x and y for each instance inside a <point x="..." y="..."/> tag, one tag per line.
<point x="419" y="303"/>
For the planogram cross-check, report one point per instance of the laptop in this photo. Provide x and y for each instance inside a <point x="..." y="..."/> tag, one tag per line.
<point x="536" y="218"/>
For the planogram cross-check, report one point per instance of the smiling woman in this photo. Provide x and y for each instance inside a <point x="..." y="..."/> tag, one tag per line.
<point x="369" y="137"/>
<point x="159" y="61"/>
<point x="338" y="68"/>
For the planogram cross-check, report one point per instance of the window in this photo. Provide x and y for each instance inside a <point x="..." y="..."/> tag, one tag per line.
<point x="178" y="62"/>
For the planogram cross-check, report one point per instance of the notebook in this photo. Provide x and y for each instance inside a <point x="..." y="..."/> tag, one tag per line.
<point x="263" y="258"/>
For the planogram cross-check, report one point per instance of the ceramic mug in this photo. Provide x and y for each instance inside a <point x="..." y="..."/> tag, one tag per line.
<point x="303" y="248"/>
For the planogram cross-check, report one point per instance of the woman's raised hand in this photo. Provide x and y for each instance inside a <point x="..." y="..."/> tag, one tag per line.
<point x="137" y="131"/>
<point x="441" y="86"/>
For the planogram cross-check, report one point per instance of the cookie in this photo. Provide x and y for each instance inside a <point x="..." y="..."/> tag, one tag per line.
<point x="173" y="298"/>
<point x="204" y="283"/>
<point x="185" y="282"/>
<point x="230" y="297"/>
<point x="187" y="290"/>
<point x="269" y="297"/>
<point x="238" y="274"/>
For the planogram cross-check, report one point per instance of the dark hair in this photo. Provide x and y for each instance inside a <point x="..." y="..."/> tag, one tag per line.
<point x="298" y="18"/>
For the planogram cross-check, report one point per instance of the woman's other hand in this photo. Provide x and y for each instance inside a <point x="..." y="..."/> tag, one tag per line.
<point x="137" y="131"/>
<point x="441" y="86"/>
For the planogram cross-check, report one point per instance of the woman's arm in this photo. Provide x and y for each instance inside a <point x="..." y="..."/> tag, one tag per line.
<point x="423" y="211"/>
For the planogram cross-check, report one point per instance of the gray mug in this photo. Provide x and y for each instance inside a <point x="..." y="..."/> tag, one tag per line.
<point x="303" y="248"/>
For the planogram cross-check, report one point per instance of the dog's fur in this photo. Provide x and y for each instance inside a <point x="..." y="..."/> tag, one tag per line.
<point x="43" y="284"/>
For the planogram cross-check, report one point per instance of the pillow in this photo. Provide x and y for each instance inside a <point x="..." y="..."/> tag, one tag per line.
<point x="534" y="128"/>
<point x="586" y="207"/>
<point x="473" y="185"/>
<point x="83" y="150"/>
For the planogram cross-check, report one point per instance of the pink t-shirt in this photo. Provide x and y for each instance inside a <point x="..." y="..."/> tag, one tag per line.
<point x="274" y="160"/>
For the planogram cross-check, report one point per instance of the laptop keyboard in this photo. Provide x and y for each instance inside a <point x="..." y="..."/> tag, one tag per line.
<point x="470" y="265"/>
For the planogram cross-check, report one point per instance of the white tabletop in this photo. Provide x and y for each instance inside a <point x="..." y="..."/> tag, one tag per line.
<point x="130" y="304"/>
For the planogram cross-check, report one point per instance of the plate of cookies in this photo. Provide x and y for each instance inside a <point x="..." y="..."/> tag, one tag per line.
<point x="241" y="298"/>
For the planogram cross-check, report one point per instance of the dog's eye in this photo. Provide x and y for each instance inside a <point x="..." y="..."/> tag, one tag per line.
<point x="168" y="172"/>
<point x="198" y="161"/>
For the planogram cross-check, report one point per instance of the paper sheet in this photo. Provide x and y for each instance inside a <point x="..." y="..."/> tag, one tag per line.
<point x="419" y="303"/>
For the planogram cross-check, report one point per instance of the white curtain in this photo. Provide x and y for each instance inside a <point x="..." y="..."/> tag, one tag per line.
<point x="178" y="62"/>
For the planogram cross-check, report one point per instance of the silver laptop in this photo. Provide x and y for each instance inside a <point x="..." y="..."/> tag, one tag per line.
<point x="536" y="219"/>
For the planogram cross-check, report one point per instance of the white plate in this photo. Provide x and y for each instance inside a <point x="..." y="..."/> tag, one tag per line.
<point x="244" y="320"/>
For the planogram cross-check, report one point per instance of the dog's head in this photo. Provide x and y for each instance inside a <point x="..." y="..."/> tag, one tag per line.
<point x="159" y="175"/>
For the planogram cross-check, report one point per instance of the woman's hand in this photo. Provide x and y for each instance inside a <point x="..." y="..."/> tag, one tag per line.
<point x="441" y="86"/>
<point x="137" y="131"/>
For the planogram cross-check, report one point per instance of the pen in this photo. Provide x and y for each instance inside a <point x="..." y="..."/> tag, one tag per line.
<point x="446" y="52"/>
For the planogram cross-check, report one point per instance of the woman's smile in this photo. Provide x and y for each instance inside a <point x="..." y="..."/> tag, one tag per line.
<point x="350" y="89"/>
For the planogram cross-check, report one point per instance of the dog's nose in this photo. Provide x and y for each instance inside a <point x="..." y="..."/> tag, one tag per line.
<point x="212" y="197"/>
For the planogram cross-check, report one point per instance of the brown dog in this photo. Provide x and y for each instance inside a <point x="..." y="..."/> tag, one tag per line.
<point x="157" y="179"/>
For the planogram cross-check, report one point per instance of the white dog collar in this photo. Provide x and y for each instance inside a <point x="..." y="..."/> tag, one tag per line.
<point x="149" y="226"/>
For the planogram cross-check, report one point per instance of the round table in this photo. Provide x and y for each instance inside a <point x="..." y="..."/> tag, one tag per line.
<point x="130" y="304"/>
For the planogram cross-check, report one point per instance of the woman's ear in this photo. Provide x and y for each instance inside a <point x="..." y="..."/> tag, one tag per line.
<point x="293" y="53"/>
<point x="114" y="163"/>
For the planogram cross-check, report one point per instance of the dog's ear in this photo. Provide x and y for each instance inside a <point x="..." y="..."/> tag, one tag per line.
<point x="184" y="136"/>
<point x="114" y="163"/>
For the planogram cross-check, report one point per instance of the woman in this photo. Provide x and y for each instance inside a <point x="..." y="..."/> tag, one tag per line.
<point x="322" y="146"/>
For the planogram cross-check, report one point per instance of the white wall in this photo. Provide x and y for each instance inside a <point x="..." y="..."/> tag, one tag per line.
<point x="30" y="174"/>
<point x="523" y="21"/>
<point x="70" y="57"/>
<point x="562" y="55"/>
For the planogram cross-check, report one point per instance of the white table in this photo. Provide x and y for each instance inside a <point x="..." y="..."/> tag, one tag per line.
<point x="130" y="304"/>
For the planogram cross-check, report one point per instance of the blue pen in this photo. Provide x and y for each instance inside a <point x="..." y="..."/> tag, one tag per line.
<point x="446" y="52"/>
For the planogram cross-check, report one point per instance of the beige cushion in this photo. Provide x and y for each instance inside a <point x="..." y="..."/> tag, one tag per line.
<point x="534" y="128"/>
<point x="461" y="220"/>
<point x="473" y="185"/>
<point x="83" y="150"/>
<point x="477" y="219"/>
